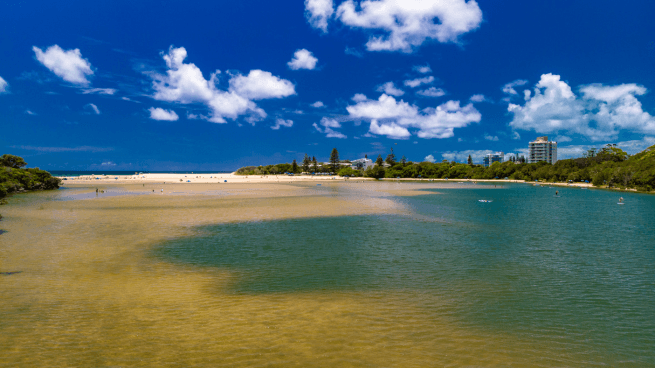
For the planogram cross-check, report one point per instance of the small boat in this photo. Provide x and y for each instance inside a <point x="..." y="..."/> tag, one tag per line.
<point x="485" y="200"/>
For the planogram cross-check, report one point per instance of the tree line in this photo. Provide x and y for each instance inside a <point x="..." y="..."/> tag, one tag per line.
<point x="607" y="166"/>
<point x="14" y="178"/>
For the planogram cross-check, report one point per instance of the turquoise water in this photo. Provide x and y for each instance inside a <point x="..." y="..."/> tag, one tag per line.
<point x="573" y="276"/>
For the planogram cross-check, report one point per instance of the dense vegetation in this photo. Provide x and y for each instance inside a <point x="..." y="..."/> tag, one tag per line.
<point x="608" y="166"/>
<point x="15" y="179"/>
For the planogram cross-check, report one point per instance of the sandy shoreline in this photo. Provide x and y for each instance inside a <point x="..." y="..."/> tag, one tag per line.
<point x="223" y="178"/>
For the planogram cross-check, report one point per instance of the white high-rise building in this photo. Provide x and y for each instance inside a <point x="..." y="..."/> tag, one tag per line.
<point x="542" y="150"/>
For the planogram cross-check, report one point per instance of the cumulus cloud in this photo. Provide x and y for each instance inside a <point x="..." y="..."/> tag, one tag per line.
<point x="3" y="85"/>
<point x="432" y="92"/>
<point x="391" y="130"/>
<point x="259" y="85"/>
<point x="30" y="112"/>
<point x="282" y="123"/>
<point x="429" y="158"/>
<point x="509" y="87"/>
<point x="423" y="69"/>
<point x="157" y="113"/>
<point x="98" y="91"/>
<point x="327" y="126"/>
<point x="318" y="12"/>
<point x="359" y="97"/>
<point x="413" y="83"/>
<point x="184" y="83"/>
<point x="599" y="114"/>
<point x="404" y="25"/>
<point x="93" y="108"/>
<point x="317" y="104"/>
<point x="66" y="64"/>
<point x="387" y="115"/>
<point x="390" y="89"/>
<point x="302" y="59"/>
<point x="478" y="98"/>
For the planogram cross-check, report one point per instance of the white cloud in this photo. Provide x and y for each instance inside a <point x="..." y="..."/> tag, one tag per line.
<point x="492" y="138"/>
<point x="259" y="85"/>
<point x="509" y="87"/>
<point x="108" y="163"/>
<point x="157" y="113"/>
<point x="429" y="158"/>
<point x="386" y="107"/>
<point x="516" y="135"/>
<point x="390" y="89"/>
<point x="282" y="123"/>
<point x="317" y="104"/>
<point x="413" y="83"/>
<point x="358" y="97"/>
<point x="462" y="156"/>
<point x="68" y="65"/>
<point x="185" y="83"/>
<point x="328" y="128"/>
<point x="600" y="114"/>
<point x="432" y="92"/>
<point x="3" y="85"/>
<point x="423" y="69"/>
<point x="391" y="130"/>
<point x="407" y="24"/>
<point x="99" y="91"/>
<point x="318" y="12"/>
<point x="30" y="112"/>
<point x="302" y="59"/>
<point x="478" y="98"/>
<point x="438" y="122"/>
<point x="92" y="108"/>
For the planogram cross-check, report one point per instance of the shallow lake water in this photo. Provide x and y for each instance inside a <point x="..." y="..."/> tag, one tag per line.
<point x="527" y="279"/>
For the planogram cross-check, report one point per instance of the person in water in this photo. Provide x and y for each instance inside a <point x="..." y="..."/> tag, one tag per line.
<point x="621" y="200"/>
<point x="557" y="192"/>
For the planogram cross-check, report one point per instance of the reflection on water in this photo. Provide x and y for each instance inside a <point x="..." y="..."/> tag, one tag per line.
<point x="526" y="280"/>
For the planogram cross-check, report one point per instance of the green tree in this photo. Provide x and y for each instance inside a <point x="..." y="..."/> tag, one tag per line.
<point x="391" y="158"/>
<point x="334" y="160"/>
<point x="379" y="161"/>
<point x="314" y="164"/>
<point x="294" y="167"/>
<point x="403" y="160"/>
<point x="12" y="161"/>
<point x="470" y="161"/>
<point x="376" y="171"/>
<point x="305" y="163"/>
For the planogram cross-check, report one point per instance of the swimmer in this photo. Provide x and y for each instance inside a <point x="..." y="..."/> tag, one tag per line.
<point x="557" y="192"/>
<point x="621" y="200"/>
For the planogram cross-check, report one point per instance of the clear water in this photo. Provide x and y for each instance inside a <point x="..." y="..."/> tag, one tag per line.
<point x="571" y="280"/>
<point x="527" y="280"/>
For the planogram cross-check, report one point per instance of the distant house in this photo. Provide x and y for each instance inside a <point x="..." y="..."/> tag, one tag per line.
<point x="489" y="159"/>
<point x="361" y="164"/>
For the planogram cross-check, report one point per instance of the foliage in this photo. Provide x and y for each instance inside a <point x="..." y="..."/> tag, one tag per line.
<point x="334" y="160"/>
<point x="347" y="171"/>
<point x="305" y="163"/>
<point x="379" y="160"/>
<point x="391" y="158"/>
<point x="12" y="161"/>
<point x="294" y="167"/>
<point x="15" y="179"/>
<point x="376" y="172"/>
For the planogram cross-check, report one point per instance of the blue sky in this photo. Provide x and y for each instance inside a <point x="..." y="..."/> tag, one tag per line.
<point x="166" y="85"/>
